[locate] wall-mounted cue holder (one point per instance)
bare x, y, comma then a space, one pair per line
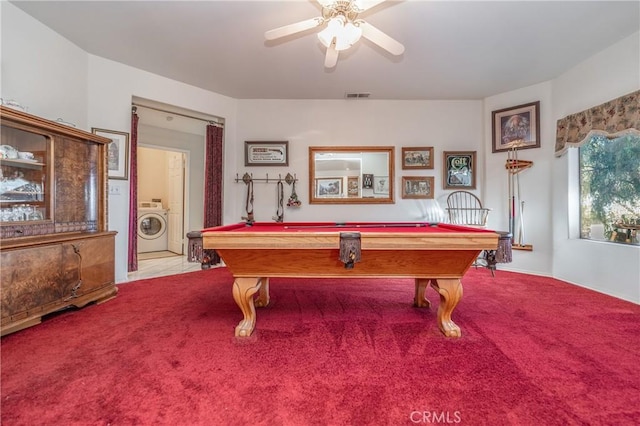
248, 178
289, 179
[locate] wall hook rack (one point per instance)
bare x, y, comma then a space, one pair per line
248, 178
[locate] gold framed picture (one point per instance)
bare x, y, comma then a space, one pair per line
417, 158
417, 187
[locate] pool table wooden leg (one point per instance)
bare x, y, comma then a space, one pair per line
263, 299
419, 300
243, 291
450, 291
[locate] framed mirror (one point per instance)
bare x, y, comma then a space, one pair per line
351, 175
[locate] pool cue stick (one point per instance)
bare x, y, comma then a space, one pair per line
249, 202
510, 198
516, 197
521, 232
279, 217
520, 206
509, 189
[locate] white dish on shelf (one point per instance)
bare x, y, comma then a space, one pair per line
66, 123
13, 104
24, 155
9, 152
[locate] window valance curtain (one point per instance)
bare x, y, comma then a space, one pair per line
614, 118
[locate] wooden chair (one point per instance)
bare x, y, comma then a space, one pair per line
464, 208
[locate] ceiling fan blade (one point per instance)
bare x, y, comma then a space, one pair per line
293, 28
381, 39
326, 3
331, 59
367, 4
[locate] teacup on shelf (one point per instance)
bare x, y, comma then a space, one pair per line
23, 155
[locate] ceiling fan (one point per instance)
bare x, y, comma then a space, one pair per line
342, 29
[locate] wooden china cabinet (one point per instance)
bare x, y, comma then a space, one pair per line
55, 249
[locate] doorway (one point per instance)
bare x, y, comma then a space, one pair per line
161, 187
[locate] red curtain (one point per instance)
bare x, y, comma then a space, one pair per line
213, 184
132, 256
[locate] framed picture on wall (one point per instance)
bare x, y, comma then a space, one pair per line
381, 184
266, 153
417, 158
516, 127
117, 152
367, 181
353, 186
417, 187
329, 187
459, 171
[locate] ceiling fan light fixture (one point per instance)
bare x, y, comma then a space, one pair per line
342, 28
344, 32
350, 35
327, 35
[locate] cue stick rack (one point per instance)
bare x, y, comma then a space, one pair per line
248, 178
289, 179
514, 166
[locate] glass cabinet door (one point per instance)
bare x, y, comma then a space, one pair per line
24, 180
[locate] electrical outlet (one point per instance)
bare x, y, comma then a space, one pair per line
114, 190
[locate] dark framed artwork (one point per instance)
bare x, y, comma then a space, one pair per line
417, 187
417, 158
459, 171
117, 152
266, 153
516, 127
367, 181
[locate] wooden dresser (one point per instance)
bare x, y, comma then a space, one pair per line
55, 248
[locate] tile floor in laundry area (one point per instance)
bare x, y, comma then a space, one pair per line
160, 264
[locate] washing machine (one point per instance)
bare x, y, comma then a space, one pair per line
152, 227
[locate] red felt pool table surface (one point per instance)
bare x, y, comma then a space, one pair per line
432, 253
345, 227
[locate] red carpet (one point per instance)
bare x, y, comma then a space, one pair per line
533, 351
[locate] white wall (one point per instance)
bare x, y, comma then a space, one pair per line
535, 182
445, 125
152, 172
609, 268
41, 69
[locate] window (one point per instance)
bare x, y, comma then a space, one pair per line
610, 189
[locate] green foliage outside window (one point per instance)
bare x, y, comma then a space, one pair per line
610, 187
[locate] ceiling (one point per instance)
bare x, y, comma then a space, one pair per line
453, 49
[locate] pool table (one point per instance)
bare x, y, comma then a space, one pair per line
433, 254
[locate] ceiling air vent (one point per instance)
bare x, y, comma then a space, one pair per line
356, 95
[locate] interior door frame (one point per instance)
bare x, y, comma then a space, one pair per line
185, 185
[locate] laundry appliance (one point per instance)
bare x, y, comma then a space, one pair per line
152, 227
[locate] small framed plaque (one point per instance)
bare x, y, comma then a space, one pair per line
266, 153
